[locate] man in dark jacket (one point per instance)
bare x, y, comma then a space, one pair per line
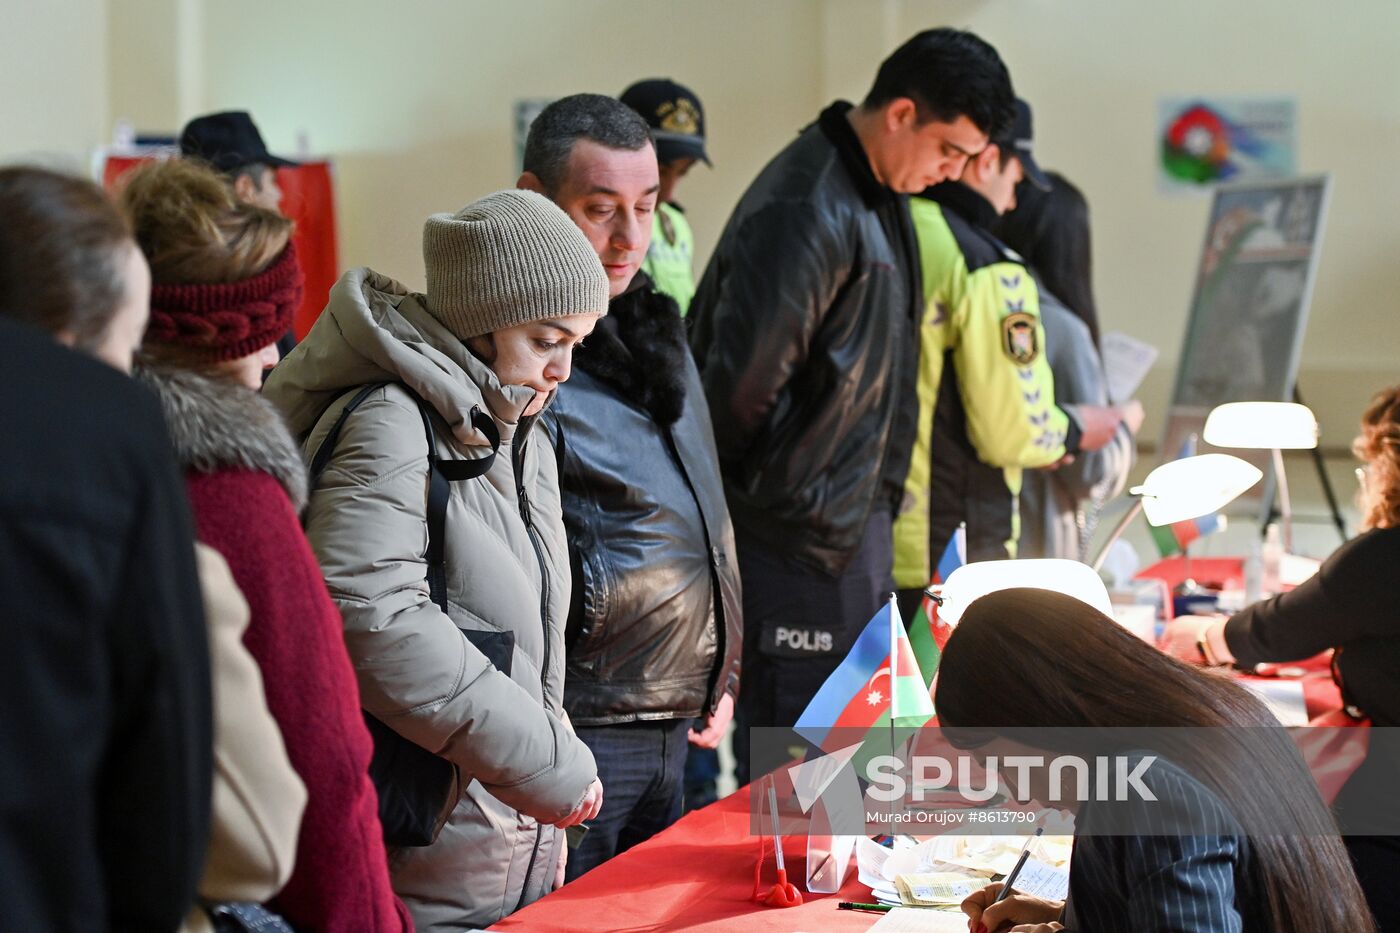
805, 326
105, 757
987, 396
654, 632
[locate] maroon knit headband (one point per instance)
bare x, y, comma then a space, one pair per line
232, 320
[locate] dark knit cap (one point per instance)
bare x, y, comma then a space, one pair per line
228, 321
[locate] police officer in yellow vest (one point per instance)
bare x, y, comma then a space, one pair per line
677, 124
985, 393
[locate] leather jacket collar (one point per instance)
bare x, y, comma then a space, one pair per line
837, 129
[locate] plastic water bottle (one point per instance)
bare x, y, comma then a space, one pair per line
1272, 557
1253, 575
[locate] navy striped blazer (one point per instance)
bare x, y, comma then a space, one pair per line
1136, 868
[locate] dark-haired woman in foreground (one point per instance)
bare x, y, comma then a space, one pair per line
1028, 665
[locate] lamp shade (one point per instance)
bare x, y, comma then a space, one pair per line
1262, 425
1188, 488
971, 581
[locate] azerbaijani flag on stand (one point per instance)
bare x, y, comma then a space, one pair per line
866, 692
1174, 538
928, 635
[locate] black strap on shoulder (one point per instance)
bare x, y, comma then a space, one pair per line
440, 473
323, 453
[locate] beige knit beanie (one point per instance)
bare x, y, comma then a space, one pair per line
510, 258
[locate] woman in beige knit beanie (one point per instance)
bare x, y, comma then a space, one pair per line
460, 653
512, 276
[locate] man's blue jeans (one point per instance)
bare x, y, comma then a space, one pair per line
642, 766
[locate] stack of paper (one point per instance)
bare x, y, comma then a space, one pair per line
946, 869
936, 889
915, 920
886, 893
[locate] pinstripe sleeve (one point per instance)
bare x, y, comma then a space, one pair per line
1152, 875
1182, 884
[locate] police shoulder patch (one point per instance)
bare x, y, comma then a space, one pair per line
1018, 338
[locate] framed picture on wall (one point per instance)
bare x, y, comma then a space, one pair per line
1253, 288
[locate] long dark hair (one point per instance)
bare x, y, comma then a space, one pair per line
1025, 659
1050, 229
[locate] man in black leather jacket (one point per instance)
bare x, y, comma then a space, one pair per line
654, 633
805, 327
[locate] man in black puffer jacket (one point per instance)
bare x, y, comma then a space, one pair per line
654, 633
806, 328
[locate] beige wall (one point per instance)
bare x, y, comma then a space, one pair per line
1094, 69
416, 105
53, 103
413, 101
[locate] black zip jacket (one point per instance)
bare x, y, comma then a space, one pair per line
655, 624
805, 327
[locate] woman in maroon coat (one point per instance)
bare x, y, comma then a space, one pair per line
226, 282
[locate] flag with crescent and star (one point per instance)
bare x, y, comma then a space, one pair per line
867, 691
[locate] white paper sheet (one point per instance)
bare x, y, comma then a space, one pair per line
1126, 361
921, 920
1042, 880
1284, 698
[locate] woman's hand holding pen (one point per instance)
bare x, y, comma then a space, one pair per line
987, 915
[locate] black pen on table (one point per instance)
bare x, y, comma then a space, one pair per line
851, 905
1005, 891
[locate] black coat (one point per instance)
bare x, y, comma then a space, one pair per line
650, 539
805, 328
105, 736
1350, 605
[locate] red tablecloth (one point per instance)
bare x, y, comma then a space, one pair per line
697, 875
1320, 693
1210, 572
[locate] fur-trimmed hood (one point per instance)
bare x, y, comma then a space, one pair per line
639, 349
215, 424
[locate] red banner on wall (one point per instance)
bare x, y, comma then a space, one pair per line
309, 200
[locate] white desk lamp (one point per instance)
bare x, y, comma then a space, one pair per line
972, 581
1180, 490
1273, 426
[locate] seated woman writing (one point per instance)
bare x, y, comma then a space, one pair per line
1349, 605
1233, 835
